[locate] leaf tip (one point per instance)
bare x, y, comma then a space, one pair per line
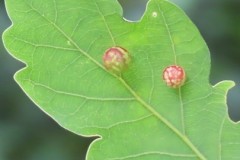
225, 85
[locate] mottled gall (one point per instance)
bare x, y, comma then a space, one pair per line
116, 59
174, 76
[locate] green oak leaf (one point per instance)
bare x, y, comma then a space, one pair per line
136, 115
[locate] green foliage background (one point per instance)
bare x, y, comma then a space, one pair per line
26, 133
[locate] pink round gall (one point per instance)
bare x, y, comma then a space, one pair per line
174, 76
116, 59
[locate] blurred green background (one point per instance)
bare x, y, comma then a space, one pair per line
26, 133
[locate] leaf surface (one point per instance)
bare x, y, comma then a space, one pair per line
136, 115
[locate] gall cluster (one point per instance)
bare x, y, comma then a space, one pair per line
117, 59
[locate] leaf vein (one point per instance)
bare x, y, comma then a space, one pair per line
80, 95
175, 60
105, 22
154, 153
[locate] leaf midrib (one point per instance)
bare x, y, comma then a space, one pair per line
138, 98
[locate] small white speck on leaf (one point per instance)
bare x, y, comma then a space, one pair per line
154, 14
